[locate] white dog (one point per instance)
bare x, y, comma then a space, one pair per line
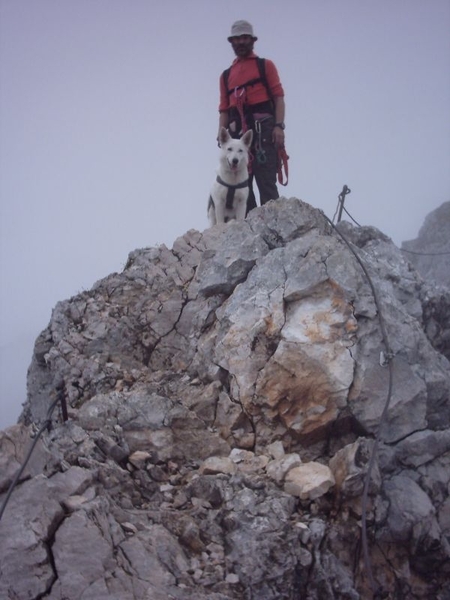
228, 199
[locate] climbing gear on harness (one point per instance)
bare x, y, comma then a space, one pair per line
261, 63
240, 103
242, 109
260, 152
231, 190
282, 163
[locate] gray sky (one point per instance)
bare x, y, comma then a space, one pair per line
109, 117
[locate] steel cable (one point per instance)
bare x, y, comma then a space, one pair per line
14, 482
367, 562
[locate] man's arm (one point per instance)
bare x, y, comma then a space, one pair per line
223, 121
278, 133
280, 109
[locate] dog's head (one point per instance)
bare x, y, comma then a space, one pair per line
235, 152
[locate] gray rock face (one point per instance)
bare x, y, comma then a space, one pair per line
430, 255
430, 251
223, 399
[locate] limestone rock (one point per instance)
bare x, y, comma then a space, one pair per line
309, 481
217, 464
279, 467
350, 466
207, 387
276, 450
139, 458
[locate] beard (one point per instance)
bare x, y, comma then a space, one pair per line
243, 49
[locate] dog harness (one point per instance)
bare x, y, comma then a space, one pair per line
231, 190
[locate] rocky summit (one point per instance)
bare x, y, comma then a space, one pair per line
259, 413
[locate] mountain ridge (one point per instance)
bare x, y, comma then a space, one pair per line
224, 398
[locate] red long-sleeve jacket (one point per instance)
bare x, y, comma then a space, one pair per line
244, 70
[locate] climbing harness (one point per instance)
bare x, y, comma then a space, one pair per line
261, 63
231, 190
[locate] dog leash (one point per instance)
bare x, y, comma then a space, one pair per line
282, 156
282, 163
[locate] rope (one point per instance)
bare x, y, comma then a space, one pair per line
388, 354
14, 482
354, 220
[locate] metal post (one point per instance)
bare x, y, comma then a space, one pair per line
345, 190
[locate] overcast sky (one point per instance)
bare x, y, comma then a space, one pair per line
109, 117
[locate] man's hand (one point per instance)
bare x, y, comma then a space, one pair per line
278, 137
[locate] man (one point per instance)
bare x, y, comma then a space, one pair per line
252, 97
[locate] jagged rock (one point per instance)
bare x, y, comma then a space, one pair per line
423, 447
350, 465
309, 481
277, 469
33, 518
276, 450
139, 459
203, 380
430, 255
436, 317
14, 444
247, 461
217, 464
412, 518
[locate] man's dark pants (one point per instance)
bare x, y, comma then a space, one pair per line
265, 157
264, 165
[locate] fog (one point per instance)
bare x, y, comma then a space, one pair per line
108, 116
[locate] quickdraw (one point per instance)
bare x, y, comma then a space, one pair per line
260, 152
282, 163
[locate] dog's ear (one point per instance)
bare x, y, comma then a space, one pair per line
224, 136
247, 138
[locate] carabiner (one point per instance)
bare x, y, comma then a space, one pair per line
261, 156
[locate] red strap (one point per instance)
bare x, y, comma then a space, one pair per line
240, 101
282, 163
